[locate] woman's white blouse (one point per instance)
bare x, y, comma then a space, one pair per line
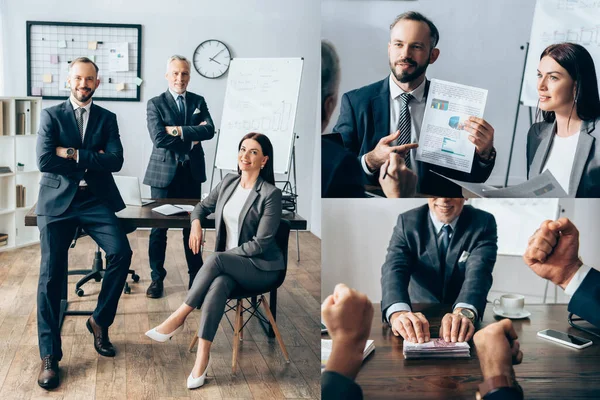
561, 159
231, 215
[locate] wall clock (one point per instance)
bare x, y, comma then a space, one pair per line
212, 58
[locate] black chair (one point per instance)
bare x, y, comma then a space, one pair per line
97, 271
236, 298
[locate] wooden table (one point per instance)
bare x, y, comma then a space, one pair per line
133, 217
548, 370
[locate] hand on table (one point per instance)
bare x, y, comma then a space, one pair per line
413, 327
498, 349
456, 328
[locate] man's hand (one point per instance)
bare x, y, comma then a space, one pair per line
498, 349
376, 157
456, 328
347, 314
62, 152
481, 135
413, 327
552, 252
399, 181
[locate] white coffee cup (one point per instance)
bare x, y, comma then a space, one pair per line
510, 303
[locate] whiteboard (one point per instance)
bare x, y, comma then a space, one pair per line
557, 21
517, 220
261, 96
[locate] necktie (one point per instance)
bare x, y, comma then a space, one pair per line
444, 242
404, 124
79, 114
181, 107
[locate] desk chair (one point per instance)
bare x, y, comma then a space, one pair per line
97, 271
236, 298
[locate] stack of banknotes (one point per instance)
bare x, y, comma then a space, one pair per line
436, 348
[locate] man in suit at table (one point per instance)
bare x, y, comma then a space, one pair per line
397, 104
443, 252
553, 254
78, 147
178, 122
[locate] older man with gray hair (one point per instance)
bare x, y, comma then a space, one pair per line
178, 122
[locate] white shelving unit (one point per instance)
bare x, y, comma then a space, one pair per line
18, 136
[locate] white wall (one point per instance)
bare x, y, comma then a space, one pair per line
251, 28
355, 241
479, 43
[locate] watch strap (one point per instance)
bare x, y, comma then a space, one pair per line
494, 383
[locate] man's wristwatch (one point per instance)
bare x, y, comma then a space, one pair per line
174, 132
70, 152
495, 383
465, 312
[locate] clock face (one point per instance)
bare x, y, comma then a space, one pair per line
212, 58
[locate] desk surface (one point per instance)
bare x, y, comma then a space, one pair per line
548, 370
144, 217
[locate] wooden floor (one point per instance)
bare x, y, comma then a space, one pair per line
144, 369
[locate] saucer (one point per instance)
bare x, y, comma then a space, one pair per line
518, 315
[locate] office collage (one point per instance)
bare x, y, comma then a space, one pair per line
162, 235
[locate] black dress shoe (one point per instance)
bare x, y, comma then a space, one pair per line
102, 343
48, 377
155, 290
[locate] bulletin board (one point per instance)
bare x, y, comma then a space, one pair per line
115, 48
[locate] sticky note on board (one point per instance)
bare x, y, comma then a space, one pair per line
92, 45
47, 78
120, 87
36, 91
53, 59
138, 81
62, 44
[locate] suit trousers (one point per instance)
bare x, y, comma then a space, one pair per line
221, 273
183, 186
56, 233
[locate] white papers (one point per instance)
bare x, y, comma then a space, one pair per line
63, 77
443, 140
173, 209
118, 57
327, 345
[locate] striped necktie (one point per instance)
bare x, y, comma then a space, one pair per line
404, 124
181, 107
79, 114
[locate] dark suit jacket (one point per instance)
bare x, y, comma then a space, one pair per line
60, 178
341, 174
585, 175
586, 299
411, 271
336, 386
365, 118
163, 111
259, 221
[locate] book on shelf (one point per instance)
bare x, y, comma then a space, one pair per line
20, 124
3, 236
5, 170
21, 196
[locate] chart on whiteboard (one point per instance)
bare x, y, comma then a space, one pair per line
261, 96
557, 21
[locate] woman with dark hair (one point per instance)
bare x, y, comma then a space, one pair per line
565, 141
247, 208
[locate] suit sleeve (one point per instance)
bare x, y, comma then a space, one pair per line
346, 126
207, 206
192, 133
504, 393
112, 159
336, 386
47, 142
158, 134
267, 228
396, 270
586, 300
479, 267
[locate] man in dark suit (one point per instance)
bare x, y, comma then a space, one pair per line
178, 121
397, 104
78, 148
552, 253
443, 252
341, 176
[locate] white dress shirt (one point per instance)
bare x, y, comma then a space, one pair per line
86, 118
577, 279
438, 225
561, 159
231, 215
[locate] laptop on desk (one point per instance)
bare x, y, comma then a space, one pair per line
129, 187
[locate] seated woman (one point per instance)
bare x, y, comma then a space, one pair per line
564, 142
247, 209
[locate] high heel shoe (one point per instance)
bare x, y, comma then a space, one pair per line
161, 337
193, 383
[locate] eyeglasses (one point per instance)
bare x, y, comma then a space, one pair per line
574, 325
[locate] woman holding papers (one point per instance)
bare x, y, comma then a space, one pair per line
565, 141
247, 208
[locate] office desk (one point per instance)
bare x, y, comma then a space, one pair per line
548, 370
143, 217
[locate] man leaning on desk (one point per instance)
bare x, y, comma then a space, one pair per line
78, 148
178, 122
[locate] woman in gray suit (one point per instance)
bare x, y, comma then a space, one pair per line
565, 141
247, 209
